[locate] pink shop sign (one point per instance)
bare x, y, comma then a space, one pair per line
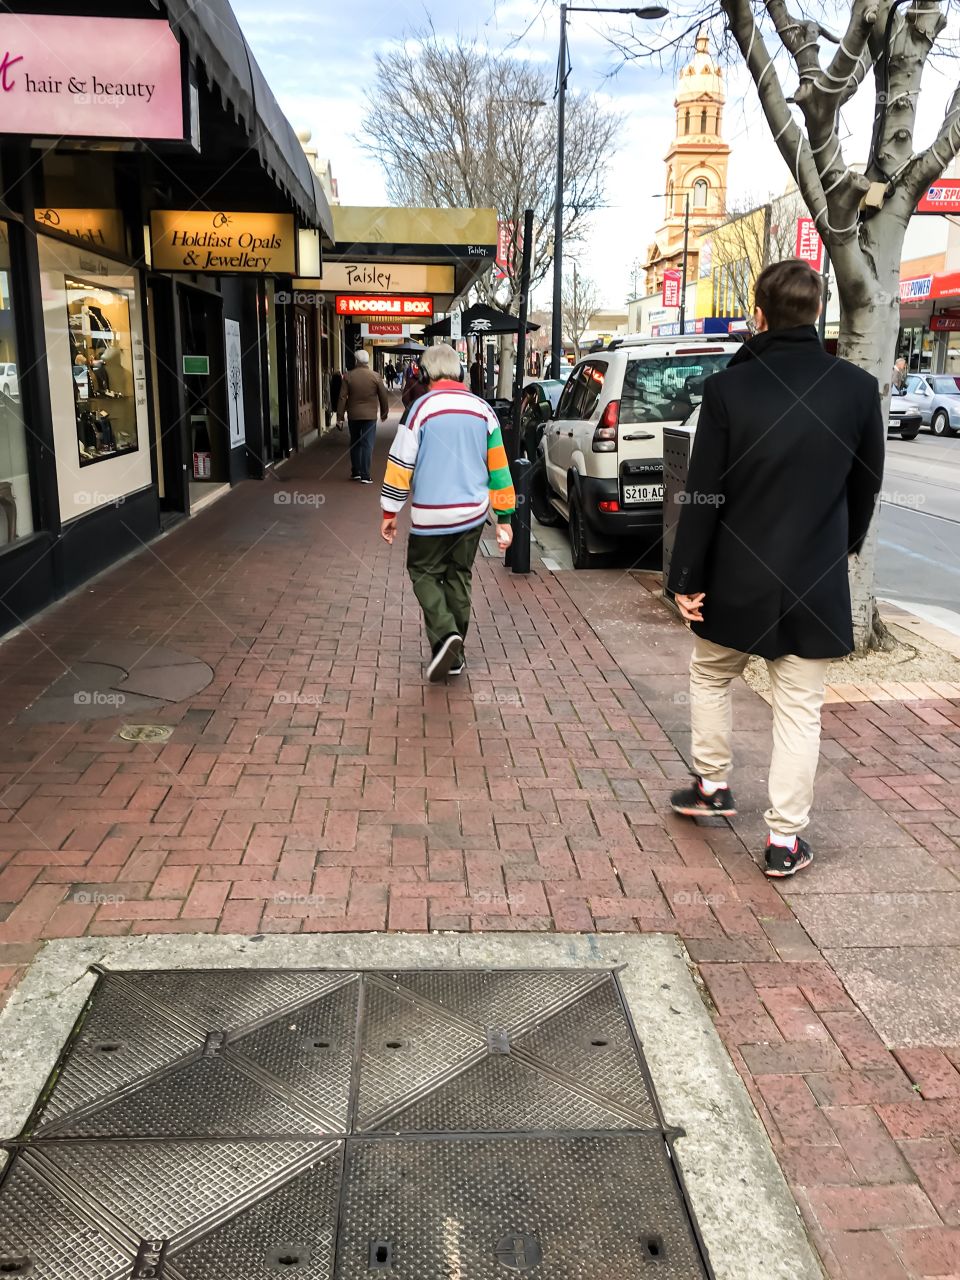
89, 77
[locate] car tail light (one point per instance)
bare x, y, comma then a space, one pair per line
608, 504
605, 436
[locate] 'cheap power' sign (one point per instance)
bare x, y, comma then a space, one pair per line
398, 307
942, 197
809, 244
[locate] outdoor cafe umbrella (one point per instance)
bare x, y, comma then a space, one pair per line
405, 348
478, 321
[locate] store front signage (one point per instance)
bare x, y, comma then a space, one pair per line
942, 197
370, 277
196, 365
384, 329
944, 324
99, 228
89, 77
400, 308
916, 290
809, 245
223, 243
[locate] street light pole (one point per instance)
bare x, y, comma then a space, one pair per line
556, 331
683, 265
556, 325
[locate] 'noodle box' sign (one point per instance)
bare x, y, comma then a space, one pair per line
88, 77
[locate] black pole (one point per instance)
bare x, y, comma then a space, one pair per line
520, 371
826, 294
683, 265
556, 329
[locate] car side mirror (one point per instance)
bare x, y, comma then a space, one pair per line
544, 407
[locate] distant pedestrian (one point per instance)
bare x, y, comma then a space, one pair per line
416, 386
336, 382
389, 375
900, 373
476, 377
448, 456
782, 485
361, 393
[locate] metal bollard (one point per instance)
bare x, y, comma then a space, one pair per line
520, 557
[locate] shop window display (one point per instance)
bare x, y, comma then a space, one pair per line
16, 514
98, 321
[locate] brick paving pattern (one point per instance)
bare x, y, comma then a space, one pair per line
319, 784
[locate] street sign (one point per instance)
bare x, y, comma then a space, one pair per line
809, 244
942, 197
671, 287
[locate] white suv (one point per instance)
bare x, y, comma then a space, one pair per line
600, 460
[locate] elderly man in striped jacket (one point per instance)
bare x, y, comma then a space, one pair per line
448, 456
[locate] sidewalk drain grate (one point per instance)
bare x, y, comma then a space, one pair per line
333, 1125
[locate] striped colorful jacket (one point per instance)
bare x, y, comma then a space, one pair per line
449, 457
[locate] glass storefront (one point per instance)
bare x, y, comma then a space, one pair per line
16, 507
98, 322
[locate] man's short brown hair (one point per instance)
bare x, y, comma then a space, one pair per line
789, 293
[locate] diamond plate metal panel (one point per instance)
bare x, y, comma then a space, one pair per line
591, 1042
165, 1190
310, 1051
230, 999
505, 998
594, 1208
206, 1097
405, 1049
119, 1041
502, 1093
291, 1231
43, 1237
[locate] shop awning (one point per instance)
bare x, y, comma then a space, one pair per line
214, 37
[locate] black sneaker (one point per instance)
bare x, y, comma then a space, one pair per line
457, 670
693, 802
448, 653
365, 480
781, 862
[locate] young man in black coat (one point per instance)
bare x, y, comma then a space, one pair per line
783, 480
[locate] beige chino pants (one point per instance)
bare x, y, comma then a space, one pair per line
797, 688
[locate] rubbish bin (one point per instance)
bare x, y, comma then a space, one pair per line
504, 411
677, 447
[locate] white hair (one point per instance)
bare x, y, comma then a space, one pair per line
362, 357
440, 362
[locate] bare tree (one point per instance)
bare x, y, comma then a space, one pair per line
579, 300
754, 234
457, 125
861, 212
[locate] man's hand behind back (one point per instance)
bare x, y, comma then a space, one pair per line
691, 607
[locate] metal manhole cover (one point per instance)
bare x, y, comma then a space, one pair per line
208, 1125
146, 732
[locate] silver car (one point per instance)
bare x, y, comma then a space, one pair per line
937, 397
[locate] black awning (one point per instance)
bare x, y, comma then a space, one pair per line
479, 319
214, 37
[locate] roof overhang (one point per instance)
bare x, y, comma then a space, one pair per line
462, 240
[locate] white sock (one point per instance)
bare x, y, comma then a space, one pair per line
785, 842
708, 788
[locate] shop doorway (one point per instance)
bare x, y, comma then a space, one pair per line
306, 368
170, 463
206, 414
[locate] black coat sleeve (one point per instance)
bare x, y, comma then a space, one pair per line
703, 498
866, 475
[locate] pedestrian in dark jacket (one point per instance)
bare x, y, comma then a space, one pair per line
783, 480
361, 393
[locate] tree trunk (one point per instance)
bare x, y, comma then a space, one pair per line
505, 381
868, 338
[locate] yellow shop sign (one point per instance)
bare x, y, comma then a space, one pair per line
223, 243
99, 228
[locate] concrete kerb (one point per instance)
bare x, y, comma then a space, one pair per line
745, 1211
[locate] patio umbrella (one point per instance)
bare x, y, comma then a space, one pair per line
479, 320
405, 348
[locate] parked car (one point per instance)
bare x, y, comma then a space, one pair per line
937, 397
903, 420
599, 464
9, 383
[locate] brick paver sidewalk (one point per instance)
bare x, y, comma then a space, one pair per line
318, 784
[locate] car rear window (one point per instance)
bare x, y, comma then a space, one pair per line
667, 388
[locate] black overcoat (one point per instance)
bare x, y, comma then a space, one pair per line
783, 481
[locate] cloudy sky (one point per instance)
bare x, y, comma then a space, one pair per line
319, 59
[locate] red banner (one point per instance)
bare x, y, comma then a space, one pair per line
382, 304
508, 246
942, 324
809, 244
672, 278
942, 196
385, 329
